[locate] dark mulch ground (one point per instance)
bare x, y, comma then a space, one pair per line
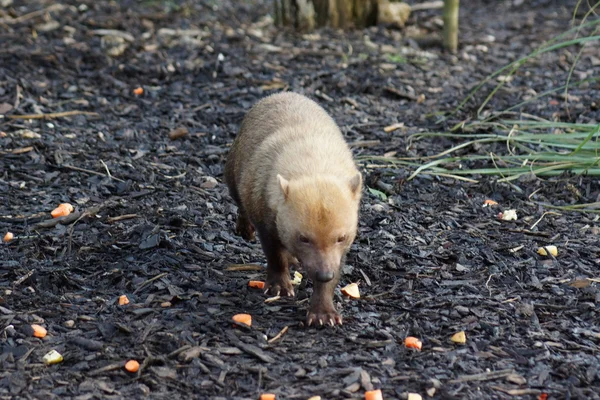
431, 260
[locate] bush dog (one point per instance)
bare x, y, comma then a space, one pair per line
293, 178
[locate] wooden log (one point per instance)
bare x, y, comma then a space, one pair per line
305, 15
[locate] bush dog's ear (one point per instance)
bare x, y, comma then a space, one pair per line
284, 184
355, 183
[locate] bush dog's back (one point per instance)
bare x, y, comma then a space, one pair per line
292, 175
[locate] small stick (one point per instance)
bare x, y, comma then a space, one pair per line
122, 217
517, 392
244, 267
23, 278
485, 376
53, 115
542, 217
17, 98
54, 7
68, 219
279, 335
106, 168
88, 171
106, 368
143, 284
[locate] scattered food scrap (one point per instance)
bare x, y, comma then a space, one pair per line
297, 278
245, 319
413, 343
459, 337
8, 237
508, 215
256, 284
62, 210
52, 357
351, 290
374, 395
123, 300
132, 366
544, 251
39, 331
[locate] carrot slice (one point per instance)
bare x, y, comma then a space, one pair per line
68, 206
123, 300
267, 396
138, 91
62, 210
132, 366
490, 202
351, 290
413, 343
245, 319
39, 331
374, 395
8, 237
256, 284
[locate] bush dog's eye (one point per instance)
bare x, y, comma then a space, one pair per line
304, 239
341, 239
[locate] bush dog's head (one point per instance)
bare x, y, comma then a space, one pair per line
317, 219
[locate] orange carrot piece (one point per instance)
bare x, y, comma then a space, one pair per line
245, 319
8, 237
39, 331
123, 300
132, 366
256, 284
138, 91
374, 395
62, 210
489, 202
413, 343
267, 396
68, 206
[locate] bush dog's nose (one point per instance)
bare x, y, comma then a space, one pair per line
324, 276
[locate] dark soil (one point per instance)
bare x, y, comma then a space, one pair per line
154, 221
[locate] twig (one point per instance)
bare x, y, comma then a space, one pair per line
542, 217
279, 335
428, 5
23, 278
484, 376
72, 228
54, 7
364, 143
121, 217
517, 392
53, 115
145, 283
244, 267
106, 168
68, 219
526, 232
106, 368
89, 171
114, 32
487, 284
17, 98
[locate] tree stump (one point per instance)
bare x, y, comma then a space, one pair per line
306, 15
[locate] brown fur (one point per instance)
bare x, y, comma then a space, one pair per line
292, 175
